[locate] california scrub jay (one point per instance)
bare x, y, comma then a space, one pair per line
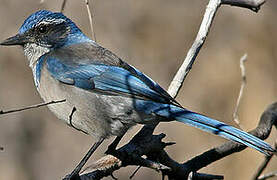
106, 94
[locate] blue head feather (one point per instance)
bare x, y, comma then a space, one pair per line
33, 19
75, 35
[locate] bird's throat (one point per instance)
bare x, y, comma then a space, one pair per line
33, 52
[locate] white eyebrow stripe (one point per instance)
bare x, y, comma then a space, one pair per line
51, 21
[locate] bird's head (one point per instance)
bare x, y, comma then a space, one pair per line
47, 29
44, 31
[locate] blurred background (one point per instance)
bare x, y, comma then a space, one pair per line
154, 36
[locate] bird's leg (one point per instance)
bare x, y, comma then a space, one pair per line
114, 144
75, 173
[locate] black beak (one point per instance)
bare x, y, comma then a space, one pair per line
19, 39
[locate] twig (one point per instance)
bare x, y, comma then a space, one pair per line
193, 175
267, 176
31, 107
262, 167
264, 164
243, 83
133, 174
63, 6
183, 71
90, 20
253, 5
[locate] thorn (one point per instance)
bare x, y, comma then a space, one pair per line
169, 143
133, 174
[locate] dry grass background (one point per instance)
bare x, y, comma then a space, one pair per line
154, 36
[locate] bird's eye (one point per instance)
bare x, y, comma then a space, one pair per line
42, 29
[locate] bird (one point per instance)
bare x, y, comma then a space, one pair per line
104, 95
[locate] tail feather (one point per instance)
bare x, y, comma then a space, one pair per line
213, 126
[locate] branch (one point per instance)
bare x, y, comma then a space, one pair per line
262, 167
243, 83
143, 143
183, 71
31, 107
193, 176
267, 176
90, 20
264, 164
63, 6
253, 5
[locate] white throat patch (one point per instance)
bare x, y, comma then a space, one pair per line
33, 52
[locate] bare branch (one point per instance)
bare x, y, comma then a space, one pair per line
90, 16
31, 107
206, 23
262, 167
193, 175
254, 5
134, 173
63, 6
264, 164
267, 176
243, 83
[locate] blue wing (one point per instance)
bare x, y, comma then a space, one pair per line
108, 78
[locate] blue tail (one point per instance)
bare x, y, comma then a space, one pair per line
208, 124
